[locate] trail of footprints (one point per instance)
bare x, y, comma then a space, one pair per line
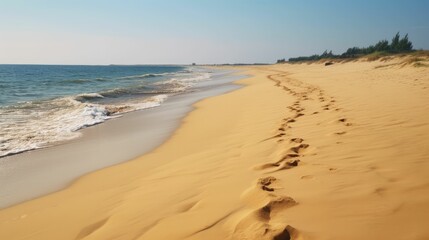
297, 146
305, 92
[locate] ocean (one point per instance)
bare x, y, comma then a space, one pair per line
41, 105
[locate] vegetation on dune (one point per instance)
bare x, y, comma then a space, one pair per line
382, 48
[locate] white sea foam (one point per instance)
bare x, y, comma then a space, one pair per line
184, 82
29, 129
84, 96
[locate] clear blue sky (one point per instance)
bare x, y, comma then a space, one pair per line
185, 31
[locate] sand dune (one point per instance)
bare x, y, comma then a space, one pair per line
301, 152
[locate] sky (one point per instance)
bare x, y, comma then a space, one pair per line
201, 31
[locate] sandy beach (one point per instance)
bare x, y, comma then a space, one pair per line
301, 151
36, 173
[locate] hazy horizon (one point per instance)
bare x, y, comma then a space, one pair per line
204, 32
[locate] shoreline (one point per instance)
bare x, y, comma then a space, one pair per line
300, 152
98, 146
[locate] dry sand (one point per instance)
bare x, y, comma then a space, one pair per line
302, 152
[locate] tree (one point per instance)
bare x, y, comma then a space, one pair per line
395, 42
382, 46
404, 44
396, 46
324, 54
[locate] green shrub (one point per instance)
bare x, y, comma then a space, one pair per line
397, 45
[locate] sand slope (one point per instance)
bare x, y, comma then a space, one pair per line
302, 152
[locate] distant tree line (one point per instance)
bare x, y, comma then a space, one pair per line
397, 45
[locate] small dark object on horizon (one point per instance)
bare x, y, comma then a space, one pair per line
328, 63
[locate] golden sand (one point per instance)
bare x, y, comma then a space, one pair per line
301, 152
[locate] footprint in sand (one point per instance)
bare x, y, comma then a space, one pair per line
289, 120
261, 223
341, 133
276, 204
299, 115
296, 109
297, 140
280, 165
299, 148
326, 106
279, 135
307, 177
380, 191
292, 163
265, 182
344, 121
288, 161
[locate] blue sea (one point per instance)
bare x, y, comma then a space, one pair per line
43, 104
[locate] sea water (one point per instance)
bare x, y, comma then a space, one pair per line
41, 105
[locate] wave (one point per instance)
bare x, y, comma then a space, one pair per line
150, 102
37, 124
148, 75
152, 75
87, 96
158, 88
84, 80
59, 120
